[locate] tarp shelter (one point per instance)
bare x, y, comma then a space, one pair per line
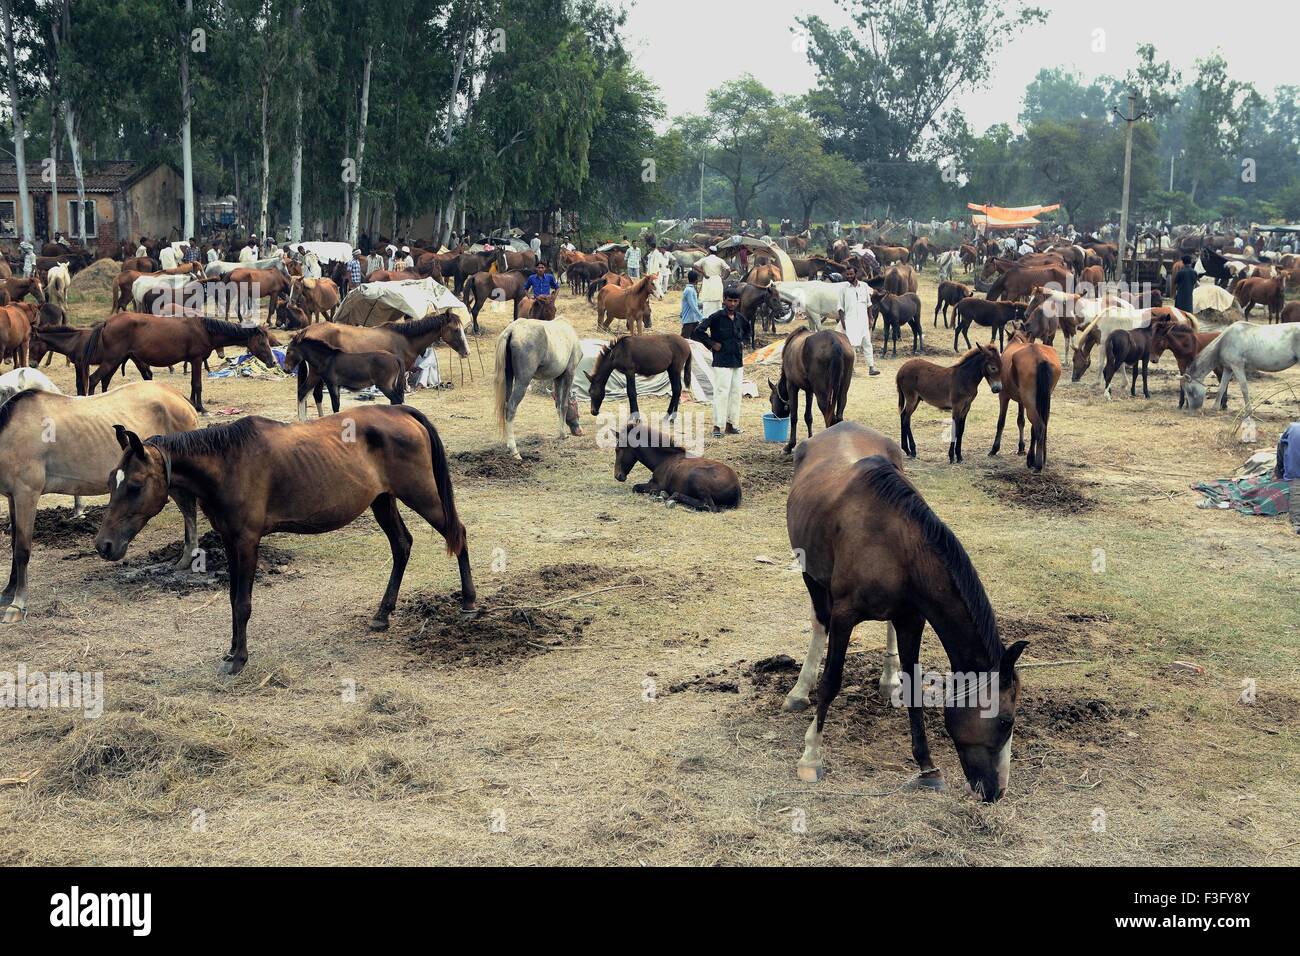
375, 303
616, 387
513, 245
326, 251
1008, 217
781, 256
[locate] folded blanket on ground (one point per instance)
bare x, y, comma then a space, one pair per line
1260, 495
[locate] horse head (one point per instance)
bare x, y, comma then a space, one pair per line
137, 491
452, 333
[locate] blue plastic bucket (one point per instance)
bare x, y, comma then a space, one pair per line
775, 428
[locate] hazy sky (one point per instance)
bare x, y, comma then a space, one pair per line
690, 46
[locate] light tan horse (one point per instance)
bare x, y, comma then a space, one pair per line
631, 304
57, 444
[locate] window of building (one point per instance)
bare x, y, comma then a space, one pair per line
8, 218
92, 225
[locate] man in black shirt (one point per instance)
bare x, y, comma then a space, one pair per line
723, 333
1185, 284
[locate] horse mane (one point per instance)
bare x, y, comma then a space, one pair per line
213, 440
430, 323
7, 409
221, 327
888, 483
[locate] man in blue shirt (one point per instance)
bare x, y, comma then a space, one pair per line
355, 276
691, 314
541, 282
1288, 468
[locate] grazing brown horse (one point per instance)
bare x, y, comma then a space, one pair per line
165, 340
821, 364
53, 444
699, 483
1029, 375
320, 366
1184, 342
634, 355
256, 476
872, 550
406, 340
950, 293
950, 389
631, 304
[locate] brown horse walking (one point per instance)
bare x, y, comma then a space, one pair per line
634, 355
164, 340
700, 483
320, 365
820, 363
872, 550
950, 389
73, 342
256, 476
1029, 375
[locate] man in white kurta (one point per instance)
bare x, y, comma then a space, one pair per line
167, 257
659, 263
855, 299
713, 266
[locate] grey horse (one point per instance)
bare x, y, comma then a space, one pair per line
528, 349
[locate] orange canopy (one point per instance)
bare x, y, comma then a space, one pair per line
1008, 217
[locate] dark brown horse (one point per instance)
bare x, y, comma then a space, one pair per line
648, 354
950, 293
950, 389
993, 315
164, 340
256, 476
1029, 375
497, 286
320, 366
872, 550
73, 342
696, 482
897, 311
1184, 342
821, 364
406, 340
1128, 347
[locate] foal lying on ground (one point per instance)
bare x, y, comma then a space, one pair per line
698, 482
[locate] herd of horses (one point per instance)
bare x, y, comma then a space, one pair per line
870, 546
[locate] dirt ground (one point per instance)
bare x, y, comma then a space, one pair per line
619, 701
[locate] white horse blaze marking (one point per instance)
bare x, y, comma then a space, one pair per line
120, 476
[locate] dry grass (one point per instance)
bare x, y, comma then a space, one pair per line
340, 746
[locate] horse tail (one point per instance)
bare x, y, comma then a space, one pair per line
835, 372
92, 343
592, 287
504, 378
455, 531
1043, 389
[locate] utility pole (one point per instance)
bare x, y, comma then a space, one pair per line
701, 185
1132, 117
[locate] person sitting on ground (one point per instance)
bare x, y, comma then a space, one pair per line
541, 282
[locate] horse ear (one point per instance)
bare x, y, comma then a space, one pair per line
1007, 666
127, 438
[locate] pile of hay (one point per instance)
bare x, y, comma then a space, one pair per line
97, 278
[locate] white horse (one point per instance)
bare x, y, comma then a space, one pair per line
948, 262
528, 349
1243, 347
820, 300
30, 380
57, 281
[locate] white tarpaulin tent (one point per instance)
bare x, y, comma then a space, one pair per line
616, 387
375, 303
326, 251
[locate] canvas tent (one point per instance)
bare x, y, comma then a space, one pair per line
375, 303
326, 251
1008, 217
616, 387
771, 248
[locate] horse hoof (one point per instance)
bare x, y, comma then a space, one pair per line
810, 772
230, 667
13, 615
792, 704
932, 780
379, 624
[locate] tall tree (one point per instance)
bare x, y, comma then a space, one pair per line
16, 114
